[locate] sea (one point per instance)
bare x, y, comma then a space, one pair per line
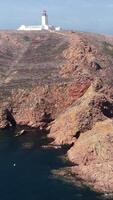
26, 169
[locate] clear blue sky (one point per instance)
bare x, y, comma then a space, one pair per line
84, 15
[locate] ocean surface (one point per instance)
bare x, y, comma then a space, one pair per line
26, 170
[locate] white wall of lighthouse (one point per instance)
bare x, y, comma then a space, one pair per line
44, 19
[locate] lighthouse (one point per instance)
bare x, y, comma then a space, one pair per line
44, 19
44, 25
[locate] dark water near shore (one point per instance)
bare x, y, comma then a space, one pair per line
26, 171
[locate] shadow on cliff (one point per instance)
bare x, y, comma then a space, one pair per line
10, 118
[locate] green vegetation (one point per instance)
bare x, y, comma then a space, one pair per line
26, 38
108, 48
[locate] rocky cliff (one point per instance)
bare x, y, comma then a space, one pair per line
66, 77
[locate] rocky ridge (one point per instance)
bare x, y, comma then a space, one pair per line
67, 77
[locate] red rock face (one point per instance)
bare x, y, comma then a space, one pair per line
29, 108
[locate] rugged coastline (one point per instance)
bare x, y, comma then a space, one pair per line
62, 83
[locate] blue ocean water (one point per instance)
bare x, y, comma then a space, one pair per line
26, 171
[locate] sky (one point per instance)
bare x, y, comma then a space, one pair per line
81, 15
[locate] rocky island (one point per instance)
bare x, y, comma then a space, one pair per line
67, 77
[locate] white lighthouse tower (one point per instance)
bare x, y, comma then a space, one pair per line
44, 20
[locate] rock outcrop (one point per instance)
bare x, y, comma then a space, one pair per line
81, 116
3, 119
92, 155
6, 117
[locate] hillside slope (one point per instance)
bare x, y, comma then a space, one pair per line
67, 78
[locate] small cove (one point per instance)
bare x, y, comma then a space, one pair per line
26, 170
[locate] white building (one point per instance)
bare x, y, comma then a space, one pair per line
44, 25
